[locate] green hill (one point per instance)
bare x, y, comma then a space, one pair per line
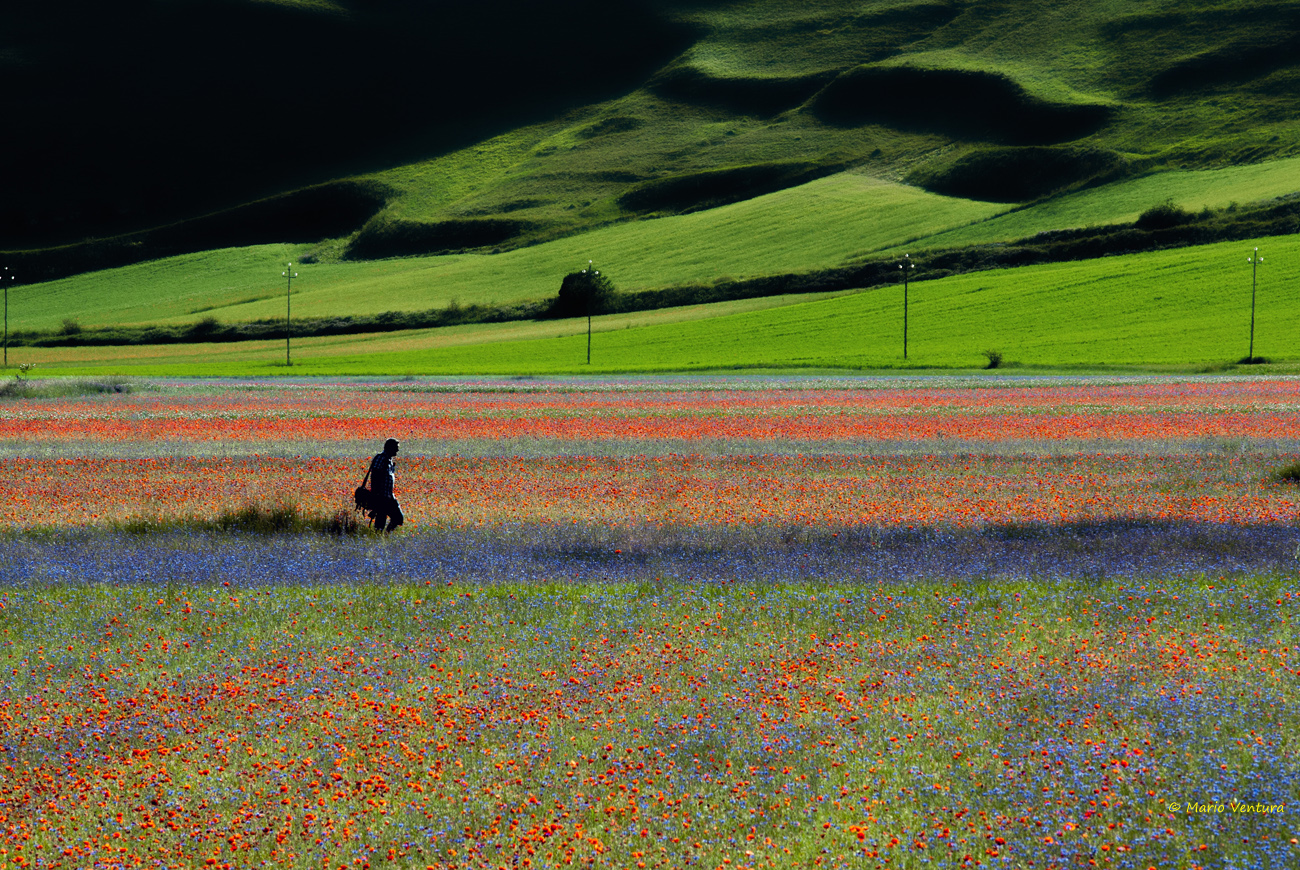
824, 221
843, 218
402, 166
133, 114
704, 103
1186, 309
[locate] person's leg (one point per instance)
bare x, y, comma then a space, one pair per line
395, 515
379, 514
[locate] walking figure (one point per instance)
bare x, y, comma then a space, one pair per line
383, 506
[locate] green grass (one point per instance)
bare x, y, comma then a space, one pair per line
1124, 201
22, 387
284, 518
563, 175
718, 106
1187, 307
1288, 474
1087, 52
823, 223
815, 225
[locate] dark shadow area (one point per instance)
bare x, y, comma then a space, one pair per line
1241, 61
610, 127
1019, 174
964, 104
875, 34
765, 553
128, 115
701, 190
325, 211
1216, 45
760, 97
385, 237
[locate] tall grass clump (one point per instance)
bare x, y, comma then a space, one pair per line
1287, 474
253, 519
60, 388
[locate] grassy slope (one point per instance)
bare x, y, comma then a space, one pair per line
1090, 51
821, 223
565, 175
742, 94
1188, 306
1124, 201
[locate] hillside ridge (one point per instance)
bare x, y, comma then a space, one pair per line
695, 105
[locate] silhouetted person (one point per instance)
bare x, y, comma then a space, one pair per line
383, 507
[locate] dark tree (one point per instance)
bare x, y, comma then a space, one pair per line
1163, 217
583, 293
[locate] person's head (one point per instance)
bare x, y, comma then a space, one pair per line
390, 446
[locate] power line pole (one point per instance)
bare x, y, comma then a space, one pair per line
592, 275
288, 275
6, 283
1254, 259
906, 266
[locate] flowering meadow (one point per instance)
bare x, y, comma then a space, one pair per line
908, 622
882, 454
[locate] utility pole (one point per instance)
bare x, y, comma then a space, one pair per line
591, 291
906, 266
6, 283
289, 274
1254, 259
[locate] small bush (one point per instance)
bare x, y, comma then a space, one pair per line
205, 327
70, 326
994, 358
1288, 474
1163, 217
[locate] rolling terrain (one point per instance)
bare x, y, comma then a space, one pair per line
731, 141
1184, 310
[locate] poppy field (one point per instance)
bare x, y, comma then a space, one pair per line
996, 622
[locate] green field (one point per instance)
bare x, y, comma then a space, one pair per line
1124, 201
1202, 85
1179, 308
823, 223
776, 138
743, 87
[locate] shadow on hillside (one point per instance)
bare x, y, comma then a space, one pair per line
134, 114
964, 104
